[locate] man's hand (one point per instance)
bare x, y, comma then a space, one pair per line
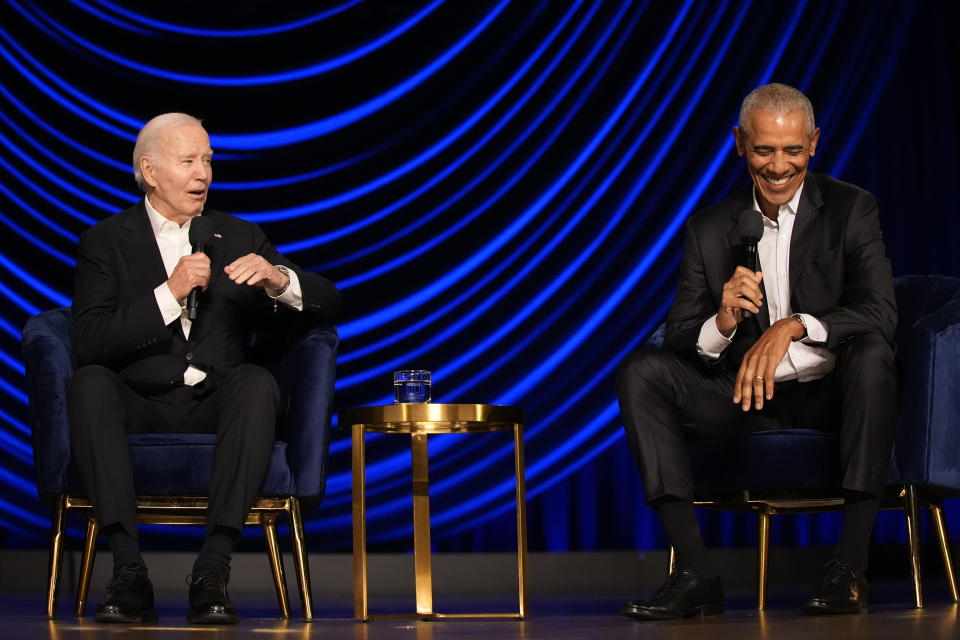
256, 272
755, 377
741, 291
191, 271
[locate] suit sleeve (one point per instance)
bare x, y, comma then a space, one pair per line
868, 304
105, 327
693, 303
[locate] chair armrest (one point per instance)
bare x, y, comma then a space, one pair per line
49, 364
307, 376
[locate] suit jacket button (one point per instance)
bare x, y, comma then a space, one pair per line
189, 357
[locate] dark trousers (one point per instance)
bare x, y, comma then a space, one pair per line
239, 406
666, 401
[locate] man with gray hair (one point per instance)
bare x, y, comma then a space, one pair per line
151, 363
814, 351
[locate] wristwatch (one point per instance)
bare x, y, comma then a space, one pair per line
282, 269
799, 318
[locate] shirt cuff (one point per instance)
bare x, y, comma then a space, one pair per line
817, 331
293, 295
170, 309
711, 344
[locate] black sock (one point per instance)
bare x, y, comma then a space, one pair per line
859, 514
216, 550
683, 531
125, 547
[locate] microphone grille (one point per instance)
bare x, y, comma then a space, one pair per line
750, 225
201, 230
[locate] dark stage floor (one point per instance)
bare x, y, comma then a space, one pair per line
561, 618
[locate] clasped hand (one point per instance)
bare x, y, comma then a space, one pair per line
755, 378
194, 271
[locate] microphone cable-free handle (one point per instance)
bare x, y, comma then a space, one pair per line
201, 230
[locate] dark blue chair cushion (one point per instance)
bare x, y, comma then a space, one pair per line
776, 459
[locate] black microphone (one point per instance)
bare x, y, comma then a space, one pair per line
749, 229
201, 230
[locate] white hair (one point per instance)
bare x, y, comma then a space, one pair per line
150, 133
778, 99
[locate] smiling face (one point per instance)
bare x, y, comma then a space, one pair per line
778, 148
178, 172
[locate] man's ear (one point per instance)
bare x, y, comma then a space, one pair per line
813, 141
147, 171
739, 142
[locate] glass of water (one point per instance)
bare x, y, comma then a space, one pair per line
411, 385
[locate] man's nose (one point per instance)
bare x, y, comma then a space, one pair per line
779, 164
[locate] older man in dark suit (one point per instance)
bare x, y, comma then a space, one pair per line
817, 347
148, 366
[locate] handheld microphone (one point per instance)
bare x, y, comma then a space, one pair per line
749, 229
201, 230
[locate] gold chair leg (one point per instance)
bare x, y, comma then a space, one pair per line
763, 557
912, 509
940, 523
58, 533
300, 558
86, 565
269, 523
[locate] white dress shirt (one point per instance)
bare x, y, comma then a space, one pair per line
174, 243
806, 359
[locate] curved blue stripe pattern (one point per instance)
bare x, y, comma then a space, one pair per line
499, 188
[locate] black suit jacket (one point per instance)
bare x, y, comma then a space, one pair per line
116, 321
839, 272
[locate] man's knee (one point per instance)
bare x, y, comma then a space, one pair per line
91, 395
868, 359
641, 368
251, 384
250, 377
92, 386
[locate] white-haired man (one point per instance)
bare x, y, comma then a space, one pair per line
146, 366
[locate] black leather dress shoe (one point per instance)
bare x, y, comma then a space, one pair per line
129, 597
842, 589
684, 594
209, 600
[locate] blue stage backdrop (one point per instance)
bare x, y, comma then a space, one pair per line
498, 188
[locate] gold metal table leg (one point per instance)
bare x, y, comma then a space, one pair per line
421, 524
359, 524
521, 516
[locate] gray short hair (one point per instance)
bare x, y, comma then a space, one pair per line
147, 138
778, 99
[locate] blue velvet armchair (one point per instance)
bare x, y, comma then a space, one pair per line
172, 471
792, 471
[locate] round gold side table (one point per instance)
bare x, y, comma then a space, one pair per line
420, 421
